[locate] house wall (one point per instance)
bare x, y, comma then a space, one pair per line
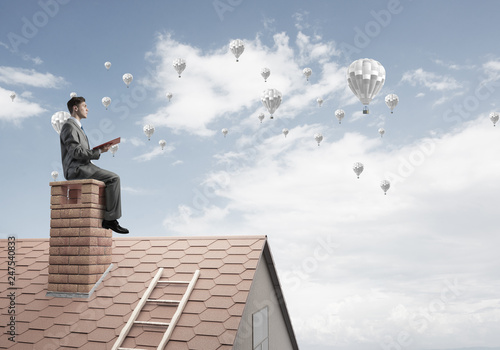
262, 294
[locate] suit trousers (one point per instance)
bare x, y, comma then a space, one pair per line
113, 193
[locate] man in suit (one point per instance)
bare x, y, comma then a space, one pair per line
76, 157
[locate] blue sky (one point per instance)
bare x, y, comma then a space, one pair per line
415, 269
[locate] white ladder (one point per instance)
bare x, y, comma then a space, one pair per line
145, 298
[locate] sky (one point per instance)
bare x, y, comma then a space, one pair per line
417, 268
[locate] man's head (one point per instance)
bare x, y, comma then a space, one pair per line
77, 107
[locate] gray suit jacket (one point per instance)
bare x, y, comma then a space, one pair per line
76, 153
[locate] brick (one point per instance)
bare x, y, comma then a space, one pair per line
90, 198
69, 288
69, 269
53, 269
53, 251
68, 250
70, 214
83, 260
59, 223
69, 232
54, 200
91, 269
105, 241
54, 232
58, 278
83, 241
83, 279
90, 189
104, 259
58, 241
52, 287
93, 231
58, 260
55, 214
84, 288
92, 213
80, 222
58, 191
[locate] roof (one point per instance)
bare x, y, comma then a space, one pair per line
210, 319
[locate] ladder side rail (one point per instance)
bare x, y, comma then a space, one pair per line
126, 329
178, 312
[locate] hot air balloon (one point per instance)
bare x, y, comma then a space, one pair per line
113, 149
148, 130
169, 95
391, 101
307, 72
58, 119
261, 117
107, 65
12, 96
179, 65
237, 47
73, 94
494, 117
320, 101
318, 137
162, 143
265, 72
127, 78
54, 175
285, 132
271, 99
365, 78
224, 132
106, 101
381, 131
358, 168
385, 185
339, 113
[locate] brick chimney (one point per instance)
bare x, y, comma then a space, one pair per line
80, 249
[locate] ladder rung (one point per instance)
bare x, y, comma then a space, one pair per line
165, 301
153, 323
164, 281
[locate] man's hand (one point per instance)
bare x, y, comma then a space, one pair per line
105, 148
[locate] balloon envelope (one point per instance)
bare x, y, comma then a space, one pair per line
266, 72
339, 114
113, 149
73, 94
107, 65
494, 117
358, 168
307, 72
162, 143
169, 95
385, 185
320, 101
271, 99
237, 47
127, 78
179, 65
12, 96
54, 175
148, 130
58, 119
318, 137
224, 132
365, 78
391, 101
285, 131
106, 101
261, 117
381, 131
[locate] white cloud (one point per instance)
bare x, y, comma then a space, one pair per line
432, 81
155, 152
19, 109
30, 77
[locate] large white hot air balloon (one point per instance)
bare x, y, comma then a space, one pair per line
169, 95
179, 65
358, 168
318, 137
148, 130
237, 47
107, 65
285, 132
391, 101
365, 78
12, 96
307, 72
271, 99
494, 117
385, 185
224, 132
106, 101
127, 78
339, 114
265, 72
58, 119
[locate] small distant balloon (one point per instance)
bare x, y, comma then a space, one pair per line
107, 65
385, 185
127, 78
54, 175
106, 101
307, 72
265, 72
318, 137
179, 65
391, 101
162, 143
73, 94
339, 114
224, 132
358, 168
271, 99
381, 131
58, 119
169, 95
320, 101
12, 96
237, 47
113, 149
148, 130
494, 117
261, 117
285, 132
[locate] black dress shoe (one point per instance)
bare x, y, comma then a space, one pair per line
114, 225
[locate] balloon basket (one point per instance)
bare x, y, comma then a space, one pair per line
366, 110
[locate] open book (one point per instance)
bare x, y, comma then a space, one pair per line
112, 142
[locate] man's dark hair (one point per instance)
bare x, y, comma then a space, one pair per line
75, 101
